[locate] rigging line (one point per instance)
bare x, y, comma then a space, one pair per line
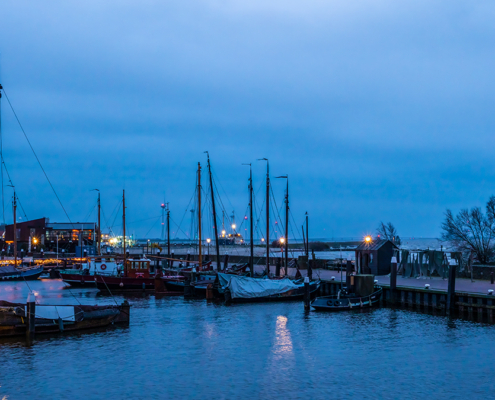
39, 162
152, 226
220, 183
91, 212
178, 227
10, 181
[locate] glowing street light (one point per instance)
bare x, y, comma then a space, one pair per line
262, 239
367, 239
233, 226
282, 240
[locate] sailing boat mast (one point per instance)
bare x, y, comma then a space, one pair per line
286, 241
168, 232
287, 229
217, 244
307, 237
251, 230
267, 215
15, 229
251, 234
123, 224
200, 260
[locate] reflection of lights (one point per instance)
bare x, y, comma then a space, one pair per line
283, 338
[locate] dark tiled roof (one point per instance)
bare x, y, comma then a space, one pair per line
374, 245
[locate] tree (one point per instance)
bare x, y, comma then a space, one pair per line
472, 231
388, 232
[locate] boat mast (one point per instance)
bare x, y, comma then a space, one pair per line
287, 229
251, 230
15, 230
168, 233
306, 245
99, 225
200, 260
251, 233
123, 224
217, 245
267, 215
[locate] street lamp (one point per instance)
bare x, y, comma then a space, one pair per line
147, 247
208, 241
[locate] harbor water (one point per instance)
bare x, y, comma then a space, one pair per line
176, 348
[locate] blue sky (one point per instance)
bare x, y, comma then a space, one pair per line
377, 110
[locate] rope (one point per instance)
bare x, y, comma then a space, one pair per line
37, 159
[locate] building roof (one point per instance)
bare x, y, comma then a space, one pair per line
374, 245
70, 226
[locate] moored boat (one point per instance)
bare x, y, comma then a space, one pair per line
347, 301
15, 318
24, 271
85, 275
360, 293
242, 289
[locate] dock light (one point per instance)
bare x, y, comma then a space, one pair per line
233, 226
208, 240
262, 239
223, 232
427, 286
282, 240
35, 240
367, 239
490, 292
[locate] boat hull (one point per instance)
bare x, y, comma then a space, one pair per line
335, 303
29, 275
13, 320
124, 284
291, 295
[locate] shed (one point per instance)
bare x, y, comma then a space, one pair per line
375, 257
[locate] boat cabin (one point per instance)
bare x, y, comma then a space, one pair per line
102, 266
138, 268
375, 257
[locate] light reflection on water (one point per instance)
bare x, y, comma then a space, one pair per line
176, 348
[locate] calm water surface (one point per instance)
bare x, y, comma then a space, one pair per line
175, 348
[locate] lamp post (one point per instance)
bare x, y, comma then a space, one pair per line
208, 241
147, 247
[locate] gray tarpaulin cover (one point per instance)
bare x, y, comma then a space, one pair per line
248, 288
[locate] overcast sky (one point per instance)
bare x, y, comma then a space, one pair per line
377, 110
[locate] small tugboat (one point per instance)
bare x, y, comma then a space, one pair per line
83, 276
361, 293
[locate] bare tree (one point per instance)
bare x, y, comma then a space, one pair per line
388, 232
472, 231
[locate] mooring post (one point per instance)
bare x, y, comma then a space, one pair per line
348, 272
450, 303
278, 266
393, 280
306, 294
31, 315
188, 257
226, 261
